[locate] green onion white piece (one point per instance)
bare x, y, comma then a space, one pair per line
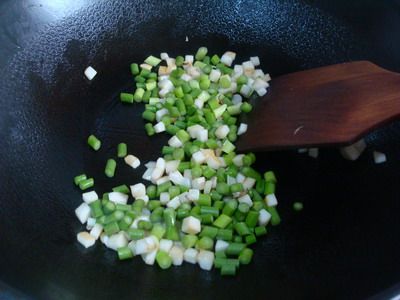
132, 161
379, 157
313, 152
85, 239
90, 73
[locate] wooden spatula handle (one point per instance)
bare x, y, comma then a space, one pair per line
333, 105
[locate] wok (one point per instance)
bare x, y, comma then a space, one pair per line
345, 244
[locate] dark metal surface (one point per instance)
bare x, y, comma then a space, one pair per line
343, 245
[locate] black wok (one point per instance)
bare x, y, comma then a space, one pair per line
345, 244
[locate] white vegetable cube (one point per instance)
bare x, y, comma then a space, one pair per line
205, 259
189, 59
164, 197
138, 219
228, 57
221, 245
202, 136
242, 128
138, 190
302, 150
313, 152
166, 245
90, 223
82, 212
198, 183
161, 113
207, 187
159, 127
246, 199
149, 258
271, 200
132, 246
175, 142
176, 254
164, 56
117, 197
264, 217
174, 202
238, 160
237, 99
190, 255
177, 178
191, 225
132, 161
193, 194
90, 197
96, 230
162, 180
379, 157
240, 178
85, 239
147, 174
171, 166
255, 60
261, 91
222, 131
157, 174
117, 240
246, 91
215, 74
249, 183
198, 157
90, 73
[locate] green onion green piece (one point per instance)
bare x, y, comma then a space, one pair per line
228, 270
149, 129
123, 188
241, 228
204, 200
158, 230
269, 188
225, 234
79, 178
250, 239
260, 230
152, 60
228, 147
234, 249
94, 142
179, 60
236, 187
205, 210
222, 221
220, 261
124, 253
220, 254
122, 150
111, 228
223, 188
125, 222
151, 191
109, 207
126, 97
252, 218
245, 256
149, 115
85, 184
189, 240
135, 234
95, 209
209, 231
275, 218
110, 168
118, 215
218, 204
230, 207
145, 225
205, 243
298, 206
270, 177
246, 107
201, 53
135, 69
163, 260
207, 219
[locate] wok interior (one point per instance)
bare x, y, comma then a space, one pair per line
344, 243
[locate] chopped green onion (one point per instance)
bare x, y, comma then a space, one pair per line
110, 168
94, 142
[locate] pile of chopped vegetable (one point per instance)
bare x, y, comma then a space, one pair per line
205, 205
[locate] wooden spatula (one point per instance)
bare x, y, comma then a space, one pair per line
333, 105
